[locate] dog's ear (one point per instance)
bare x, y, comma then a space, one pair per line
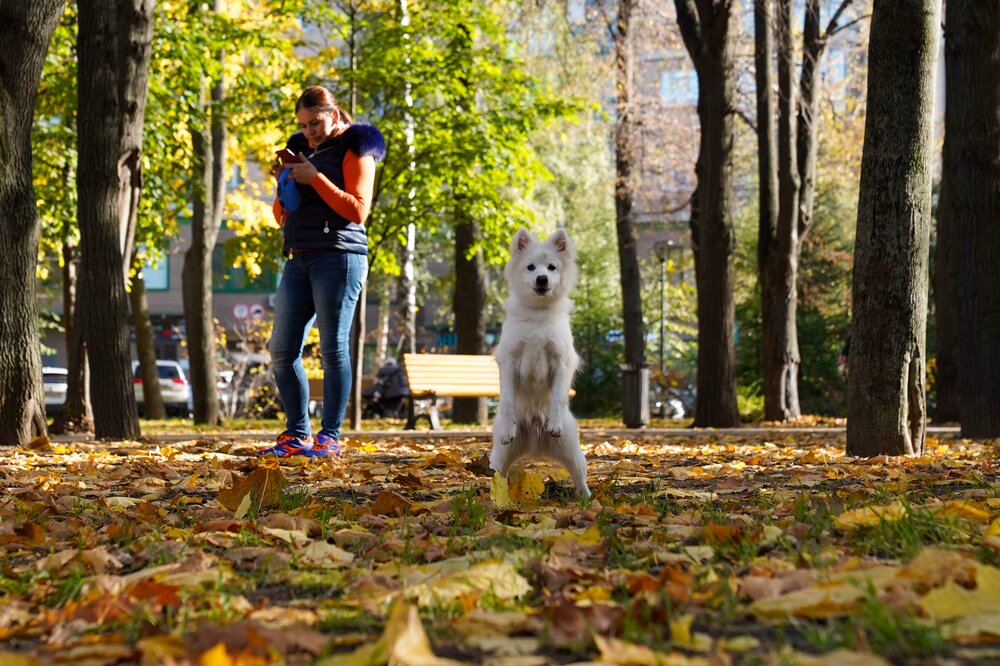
522, 239
561, 242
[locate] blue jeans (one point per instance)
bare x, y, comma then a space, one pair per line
321, 287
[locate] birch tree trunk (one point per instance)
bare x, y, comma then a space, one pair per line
778, 251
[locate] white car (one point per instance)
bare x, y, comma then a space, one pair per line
55, 383
174, 387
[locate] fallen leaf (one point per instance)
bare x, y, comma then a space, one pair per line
264, 486
324, 555
389, 503
403, 643
951, 600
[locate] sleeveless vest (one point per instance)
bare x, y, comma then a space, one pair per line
316, 226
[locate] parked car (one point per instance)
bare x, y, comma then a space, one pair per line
174, 387
55, 382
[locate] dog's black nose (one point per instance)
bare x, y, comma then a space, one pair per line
542, 281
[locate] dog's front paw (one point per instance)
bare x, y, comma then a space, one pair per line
507, 434
554, 429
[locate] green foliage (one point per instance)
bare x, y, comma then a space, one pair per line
750, 404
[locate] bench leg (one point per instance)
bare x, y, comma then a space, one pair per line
433, 419
411, 417
433, 415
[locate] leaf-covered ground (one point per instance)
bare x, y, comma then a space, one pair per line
707, 549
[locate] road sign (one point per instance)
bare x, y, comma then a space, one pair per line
256, 310
240, 311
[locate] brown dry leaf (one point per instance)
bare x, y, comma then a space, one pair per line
263, 486
324, 555
284, 521
933, 566
40, 443
389, 503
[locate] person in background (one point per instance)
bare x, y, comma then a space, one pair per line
842, 359
326, 248
386, 394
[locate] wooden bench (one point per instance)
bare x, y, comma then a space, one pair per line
433, 376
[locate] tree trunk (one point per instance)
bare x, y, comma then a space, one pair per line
25, 31
209, 200
354, 407
706, 33
628, 261
152, 396
886, 406
948, 273
114, 50
76, 415
778, 250
971, 170
470, 308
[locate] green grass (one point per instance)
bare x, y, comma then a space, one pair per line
895, 634
904, 538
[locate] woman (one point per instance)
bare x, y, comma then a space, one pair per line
327, 263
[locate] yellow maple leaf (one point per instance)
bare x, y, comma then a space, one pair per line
952, 600
404, 642
682, 636
525, 487
500, 492
963, 509
870, 515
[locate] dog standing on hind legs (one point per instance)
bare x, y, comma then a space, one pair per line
537, 360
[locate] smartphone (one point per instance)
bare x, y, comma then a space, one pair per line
288, 157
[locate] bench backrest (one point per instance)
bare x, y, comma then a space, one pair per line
455, 375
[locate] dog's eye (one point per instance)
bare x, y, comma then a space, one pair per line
531, 267
552, 267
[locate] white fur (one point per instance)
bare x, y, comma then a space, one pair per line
537, 359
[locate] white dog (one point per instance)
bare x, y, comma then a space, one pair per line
537, 360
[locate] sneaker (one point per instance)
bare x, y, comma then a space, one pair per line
287, 446
323, 446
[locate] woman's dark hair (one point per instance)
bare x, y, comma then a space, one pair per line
320, 99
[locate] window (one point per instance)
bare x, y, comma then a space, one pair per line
678, 86
157, 277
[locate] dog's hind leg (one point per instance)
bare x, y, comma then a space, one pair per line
566, 451
504, 455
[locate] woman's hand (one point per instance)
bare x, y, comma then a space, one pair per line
304, 172
275, 169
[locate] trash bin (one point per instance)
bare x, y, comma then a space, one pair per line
635, 394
